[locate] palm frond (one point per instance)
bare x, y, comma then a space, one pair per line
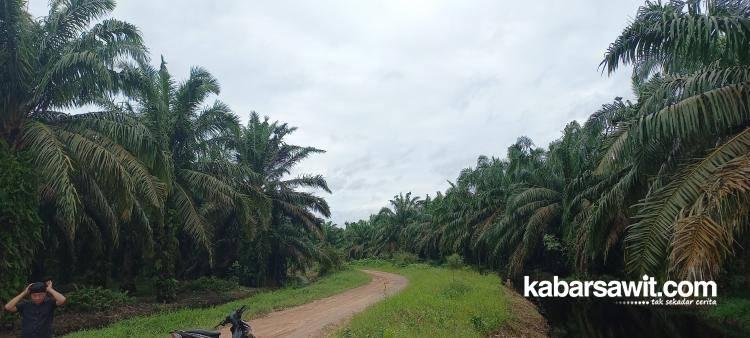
647, 240
56, 168
191, 220
67, 18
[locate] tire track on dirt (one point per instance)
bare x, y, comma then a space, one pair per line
323, 315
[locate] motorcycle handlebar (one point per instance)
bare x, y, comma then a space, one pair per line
224, 322
228, 319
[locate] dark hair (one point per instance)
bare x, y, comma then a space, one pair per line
38, 287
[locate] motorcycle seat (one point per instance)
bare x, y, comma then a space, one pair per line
206, 333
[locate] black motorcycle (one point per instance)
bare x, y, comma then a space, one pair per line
240, 328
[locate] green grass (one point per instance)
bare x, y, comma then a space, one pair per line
161, 324
433, 305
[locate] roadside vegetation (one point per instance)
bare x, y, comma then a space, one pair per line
159, 325
438, 302
95, 307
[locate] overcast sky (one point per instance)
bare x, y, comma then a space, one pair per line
401, 94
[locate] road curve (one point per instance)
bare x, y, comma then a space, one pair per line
318, 317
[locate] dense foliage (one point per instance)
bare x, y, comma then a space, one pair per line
160, 183
96, 299
21, 227
655, 185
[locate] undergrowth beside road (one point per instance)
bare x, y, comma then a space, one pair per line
160, 325
437, 303
732, 316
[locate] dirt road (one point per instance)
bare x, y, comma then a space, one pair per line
316, 318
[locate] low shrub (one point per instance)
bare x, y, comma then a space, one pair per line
454, 262
166, 289
243, 275
296, 281
207, 283
95, 299
331, 260
403, 259
732, 314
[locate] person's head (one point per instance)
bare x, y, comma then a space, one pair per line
38, 292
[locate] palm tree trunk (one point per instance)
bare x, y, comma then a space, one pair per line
128, 268
277, 269
164, 260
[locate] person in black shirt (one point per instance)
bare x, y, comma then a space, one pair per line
37, 314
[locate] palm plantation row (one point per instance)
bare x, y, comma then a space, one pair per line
161, 181
656, 185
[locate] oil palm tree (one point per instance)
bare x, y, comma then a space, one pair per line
694, 205
190, 137
534, 208
64, 60
421, 236
480, 200
359, 237
391, 222
94, 175
189, 134
293, 213
603, 199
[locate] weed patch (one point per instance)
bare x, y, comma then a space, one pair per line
434, 304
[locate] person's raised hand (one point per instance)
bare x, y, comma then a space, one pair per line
49, 285
27, 290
